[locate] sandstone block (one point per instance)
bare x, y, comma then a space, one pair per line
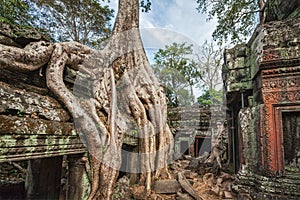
166, 186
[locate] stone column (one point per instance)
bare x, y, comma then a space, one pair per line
78, 184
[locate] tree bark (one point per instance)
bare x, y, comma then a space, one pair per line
147, 98
262, 13
123, 91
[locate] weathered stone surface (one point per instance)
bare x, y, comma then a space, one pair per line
287, 187
31, 82
21, 102
166, 186
273, 43
282, 9
194, 121
236, 71
261, 134
7, 41
21, 35
26, 138
29, 126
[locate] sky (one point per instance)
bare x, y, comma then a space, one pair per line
172, 21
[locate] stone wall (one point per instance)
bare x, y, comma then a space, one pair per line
36, 133
262, 81
196, 126
33, 123
282, 9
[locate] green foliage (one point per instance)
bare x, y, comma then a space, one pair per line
134, 133
146, 6
103, 148
15, 12
176, 71
20, 113
210, 97
174, 84
84, 21
236, 18
117, 196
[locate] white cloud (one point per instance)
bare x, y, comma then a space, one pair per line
180, 16
172, 21
159, 37
144, 22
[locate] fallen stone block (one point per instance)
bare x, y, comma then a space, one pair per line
166, 186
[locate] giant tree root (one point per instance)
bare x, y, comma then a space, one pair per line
185, 184
123, 90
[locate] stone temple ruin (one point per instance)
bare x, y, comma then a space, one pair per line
35, 127
262, 83
195, 128
38, 140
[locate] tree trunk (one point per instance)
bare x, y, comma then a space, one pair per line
262, 13
192, 94
147, 98
122, 92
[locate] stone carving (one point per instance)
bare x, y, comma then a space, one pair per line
281, 83
274, 57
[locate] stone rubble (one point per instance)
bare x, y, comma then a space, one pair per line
204, 185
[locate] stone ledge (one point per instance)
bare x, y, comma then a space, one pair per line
29, 126
26, 138
261, 185
29, 103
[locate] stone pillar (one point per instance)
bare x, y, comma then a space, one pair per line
78, 184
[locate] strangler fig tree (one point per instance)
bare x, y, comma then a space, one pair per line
120, 94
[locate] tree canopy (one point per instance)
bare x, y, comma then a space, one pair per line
15, 12
236, 18
176, 71
84, 21
210, 97
145, 5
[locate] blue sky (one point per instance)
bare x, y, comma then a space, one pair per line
180, 16
172, 21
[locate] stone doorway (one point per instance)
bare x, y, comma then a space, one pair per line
291, 141
184, 147
202, 145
